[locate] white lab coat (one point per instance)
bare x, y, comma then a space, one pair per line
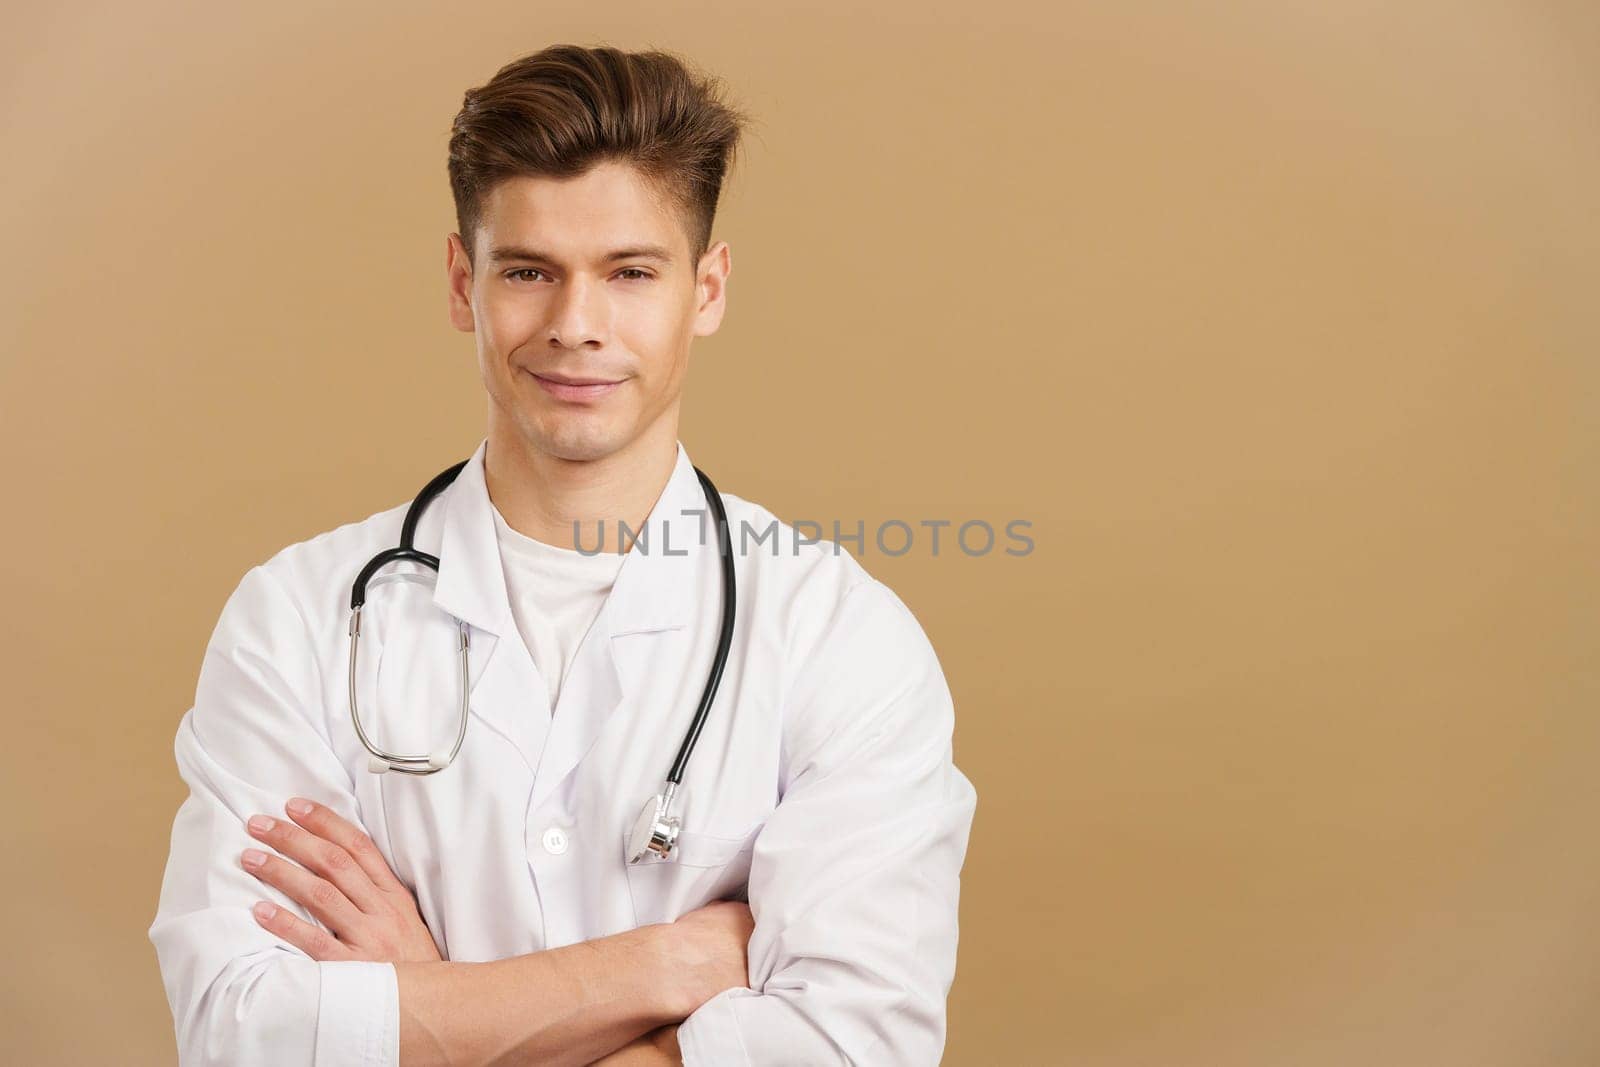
822, 782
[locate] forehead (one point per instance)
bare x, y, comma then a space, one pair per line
609, 206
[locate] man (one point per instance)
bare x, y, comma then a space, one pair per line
313, 912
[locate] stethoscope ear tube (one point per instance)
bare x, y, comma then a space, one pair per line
380, 760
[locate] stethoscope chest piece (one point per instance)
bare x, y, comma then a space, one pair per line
655, 830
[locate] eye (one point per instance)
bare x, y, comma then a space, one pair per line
643, 274
523, 270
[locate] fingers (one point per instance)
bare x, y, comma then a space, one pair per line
321, 897
357, 844
313, 940
324, 858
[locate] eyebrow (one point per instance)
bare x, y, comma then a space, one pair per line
502, 253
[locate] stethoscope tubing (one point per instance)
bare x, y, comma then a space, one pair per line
724, 634
406, 551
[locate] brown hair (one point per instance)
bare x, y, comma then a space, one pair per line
566, 108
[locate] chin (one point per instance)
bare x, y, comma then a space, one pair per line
578, 439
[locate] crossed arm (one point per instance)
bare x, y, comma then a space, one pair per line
615, 1000
855, 871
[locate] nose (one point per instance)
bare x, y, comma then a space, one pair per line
578, 313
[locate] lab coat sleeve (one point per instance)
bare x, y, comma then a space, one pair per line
854, 878
254, 738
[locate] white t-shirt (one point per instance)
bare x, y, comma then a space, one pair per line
555, 593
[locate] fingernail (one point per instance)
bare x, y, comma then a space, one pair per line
261, 824
251, 857
263, 910
297, 806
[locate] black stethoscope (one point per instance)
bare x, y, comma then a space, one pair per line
655, 829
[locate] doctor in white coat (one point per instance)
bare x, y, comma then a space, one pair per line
822, 789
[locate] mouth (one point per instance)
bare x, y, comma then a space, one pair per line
576, 389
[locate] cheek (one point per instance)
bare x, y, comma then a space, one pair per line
659, 338
505, 325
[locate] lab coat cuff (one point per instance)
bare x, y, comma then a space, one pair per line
358, 1014
709, 1037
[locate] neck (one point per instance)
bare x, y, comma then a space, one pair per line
547, 498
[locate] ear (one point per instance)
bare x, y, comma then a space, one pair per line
711, 288
458, 277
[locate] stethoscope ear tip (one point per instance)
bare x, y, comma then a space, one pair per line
377, 764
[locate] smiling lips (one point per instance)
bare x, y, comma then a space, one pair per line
575, 389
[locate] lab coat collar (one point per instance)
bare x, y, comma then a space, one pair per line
651, 586
654, 592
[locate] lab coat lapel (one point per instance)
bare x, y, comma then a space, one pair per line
651, 596
504, 692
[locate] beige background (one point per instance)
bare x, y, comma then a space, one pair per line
1276, 320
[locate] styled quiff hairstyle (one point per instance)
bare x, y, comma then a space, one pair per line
560, 111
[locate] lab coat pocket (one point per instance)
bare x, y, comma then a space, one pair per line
704, 867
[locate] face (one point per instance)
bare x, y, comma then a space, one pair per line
584, 302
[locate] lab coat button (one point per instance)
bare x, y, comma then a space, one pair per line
555, 841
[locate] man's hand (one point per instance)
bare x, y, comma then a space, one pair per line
710, 949
341, 879
658, 1048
